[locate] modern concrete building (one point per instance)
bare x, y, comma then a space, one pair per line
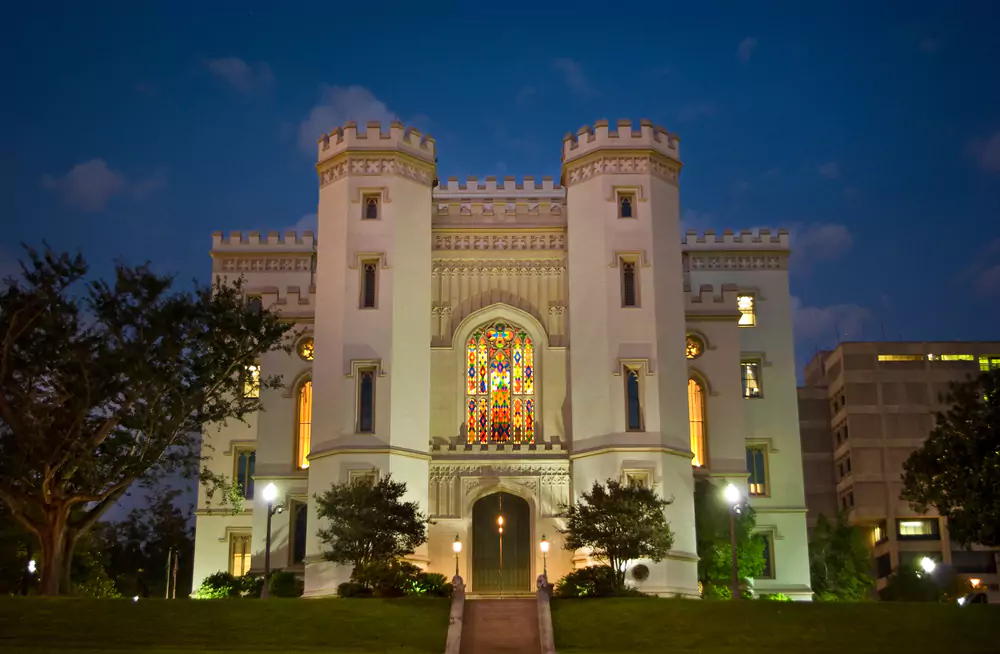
863, 409
499, 346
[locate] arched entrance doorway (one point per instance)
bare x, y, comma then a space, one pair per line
501, 563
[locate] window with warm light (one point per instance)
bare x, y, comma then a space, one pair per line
757, 469
251, 380
750, 373
239, 554
696, 421
633, 399
245, 458
303, 439
366, 400
307, 349
747, 305
987, 363
886, 358
918, 529
879, 533
695, 346
500, 385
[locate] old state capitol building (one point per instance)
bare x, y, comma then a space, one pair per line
499, 346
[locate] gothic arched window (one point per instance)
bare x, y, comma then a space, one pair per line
303, 427
500, 385
696, 418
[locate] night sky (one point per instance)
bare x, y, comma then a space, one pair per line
872, 132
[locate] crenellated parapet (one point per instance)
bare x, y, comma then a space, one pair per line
746, 239
601, 137
376, 138
246, 253
289, 241
506, 187
290, 301
709, 302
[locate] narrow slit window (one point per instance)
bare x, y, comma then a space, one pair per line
630, 295
371, 207
369, 282
300, 530
696, 417
626, 206
633, 400
750, 372
366, 401
304, 435
748, 310
757, 470
246, 460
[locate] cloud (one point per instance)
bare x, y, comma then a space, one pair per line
573, 75
338, 105
820, 242
240, 75
987, 152
830, 170
828, 324
693, 111
746, 48
90, 185
307, 223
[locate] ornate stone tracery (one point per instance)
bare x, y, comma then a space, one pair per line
454, 486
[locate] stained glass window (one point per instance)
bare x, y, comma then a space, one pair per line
500, 385
307, 349
305, 425
695, 346
696, 418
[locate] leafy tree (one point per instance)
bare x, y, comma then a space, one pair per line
839, 561
711, 519
619, 523
957, 470
907, 584
103, 383
369, 522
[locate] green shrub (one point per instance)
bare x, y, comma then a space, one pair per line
285, 584
220, 585
593, 581
430, 584
353, 589
775, 597
252, 586
387, 578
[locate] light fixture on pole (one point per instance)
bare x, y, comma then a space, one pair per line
500, 531
928, 564
457, 548
735, 500
270, 494
544, 545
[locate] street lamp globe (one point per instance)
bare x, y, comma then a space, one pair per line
544, 545
928, 564
457, 545
270, 492
732, 494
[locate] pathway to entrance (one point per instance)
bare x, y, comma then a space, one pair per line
496, 626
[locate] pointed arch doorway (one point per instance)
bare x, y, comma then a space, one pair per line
501, 563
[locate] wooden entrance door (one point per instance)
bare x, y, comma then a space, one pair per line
489, 575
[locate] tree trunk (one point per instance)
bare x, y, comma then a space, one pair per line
53, 542
69, 546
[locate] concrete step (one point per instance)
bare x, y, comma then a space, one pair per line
495, 626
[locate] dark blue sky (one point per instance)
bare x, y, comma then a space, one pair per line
874, 133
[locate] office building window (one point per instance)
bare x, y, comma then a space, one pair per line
918, 529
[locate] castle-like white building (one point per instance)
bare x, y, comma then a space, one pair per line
499, 346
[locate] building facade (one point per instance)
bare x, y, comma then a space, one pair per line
499, 346
864, 408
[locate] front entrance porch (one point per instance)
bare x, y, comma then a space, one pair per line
501, 545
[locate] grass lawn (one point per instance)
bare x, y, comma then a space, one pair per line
642, 625
363, 626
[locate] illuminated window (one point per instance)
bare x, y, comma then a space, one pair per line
748, 310
638, 477
757, 469
696, 421
630, 289
695, 346
951, 357
633, 400
768, 539
366, 401
626, 205
750, 372
307, 349
879, 533
239, 554
251, 380
369, 284
246, 459
918, 529
900, 357
500, 385
371, 207
300, 524
989, 363
364, 476
303, 440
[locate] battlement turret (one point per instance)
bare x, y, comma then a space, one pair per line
762, 239
490, 186
709, 301
375, 138
290, 242
599, 137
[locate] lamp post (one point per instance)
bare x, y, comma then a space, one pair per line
544, 545
270, 494
457, 548
500, 531
734, 498
928, 564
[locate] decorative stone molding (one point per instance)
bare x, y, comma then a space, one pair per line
359, 364
244, 264
630, 255
368, 256
453, 486
471, 241
735, 261
498, 266
616, 164
357, 163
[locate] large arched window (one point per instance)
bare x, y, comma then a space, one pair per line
696, 417
500, 385
303, 425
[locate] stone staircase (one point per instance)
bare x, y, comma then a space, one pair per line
500, 626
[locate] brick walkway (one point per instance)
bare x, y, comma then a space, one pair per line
500, 627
